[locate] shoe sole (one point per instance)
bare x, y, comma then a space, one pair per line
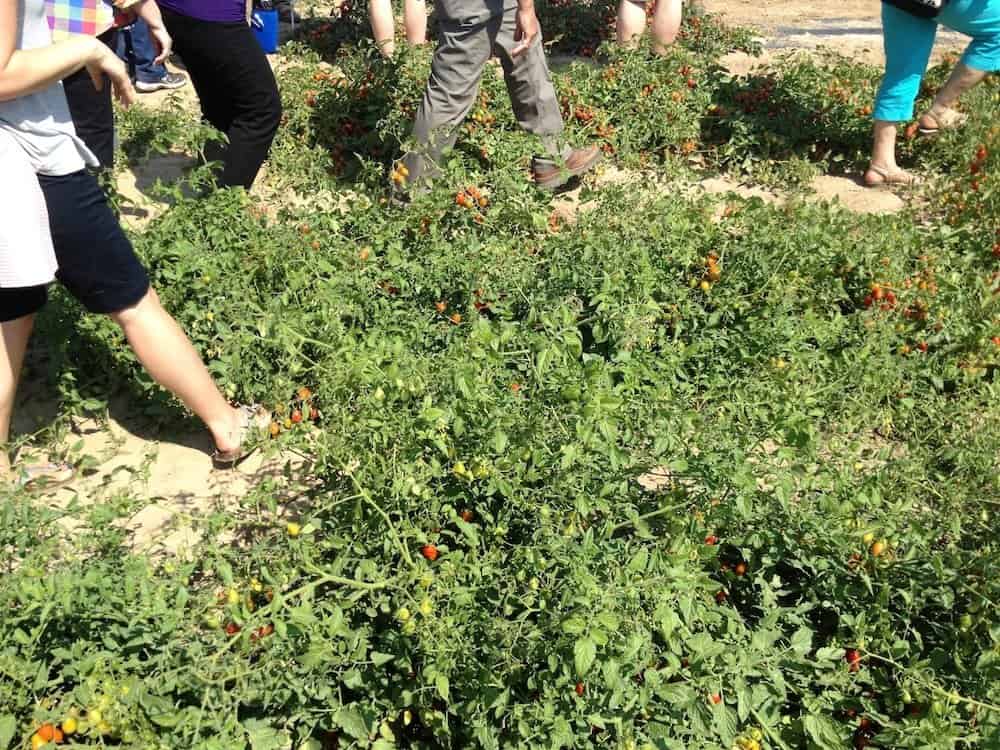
152, 88
563, 176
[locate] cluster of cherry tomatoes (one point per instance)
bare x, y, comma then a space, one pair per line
302, 409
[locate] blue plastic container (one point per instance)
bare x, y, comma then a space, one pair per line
265, 28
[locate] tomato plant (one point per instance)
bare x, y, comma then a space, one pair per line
679, 471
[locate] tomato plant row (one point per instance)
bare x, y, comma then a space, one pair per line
683, 472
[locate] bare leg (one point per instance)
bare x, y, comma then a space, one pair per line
168, 356
14, 335
963, 78
415, 20
666, 24
884, 168
631, 23
383, 26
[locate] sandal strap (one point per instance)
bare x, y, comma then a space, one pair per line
892, 177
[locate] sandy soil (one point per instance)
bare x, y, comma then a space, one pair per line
768, 15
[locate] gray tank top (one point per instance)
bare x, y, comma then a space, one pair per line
472, 11
41, 122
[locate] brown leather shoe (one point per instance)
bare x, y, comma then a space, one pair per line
549, 174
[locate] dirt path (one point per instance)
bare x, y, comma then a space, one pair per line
852, 27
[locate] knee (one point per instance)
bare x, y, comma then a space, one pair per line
274, 112
271, 111
129, 315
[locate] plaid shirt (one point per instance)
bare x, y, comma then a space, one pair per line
88, 17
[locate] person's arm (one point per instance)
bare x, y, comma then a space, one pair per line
24, 72
149, 12
527, 27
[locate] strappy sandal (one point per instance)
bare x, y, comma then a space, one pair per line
252, 420
45, 476
898, 177
951, 121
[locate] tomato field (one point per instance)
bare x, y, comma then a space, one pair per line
669, 470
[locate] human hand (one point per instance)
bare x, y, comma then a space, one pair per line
104, 62
164, 44
526, 30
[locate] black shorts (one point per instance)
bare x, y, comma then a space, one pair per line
97, 264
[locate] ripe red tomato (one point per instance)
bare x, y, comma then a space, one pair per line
715, 698
467, 516
740, 569
430, 552
711, 539
580, 688
47, 732
721, 596
853, 659
296, 416
232, 628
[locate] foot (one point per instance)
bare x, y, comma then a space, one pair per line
169, 82
883, 177
946, 119
550, 174
232, 442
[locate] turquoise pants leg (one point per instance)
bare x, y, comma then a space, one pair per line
909, 41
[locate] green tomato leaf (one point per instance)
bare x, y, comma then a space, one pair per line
8, 728
584, 653
351, 722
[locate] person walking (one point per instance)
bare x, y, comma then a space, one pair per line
665, 27
384, 27
236, 86
136, 48
470, 32
909, 40
92, 110
56, 222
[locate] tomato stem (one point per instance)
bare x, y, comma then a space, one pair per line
385, 517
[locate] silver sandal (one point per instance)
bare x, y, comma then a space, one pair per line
892, 178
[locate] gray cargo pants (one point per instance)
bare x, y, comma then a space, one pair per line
462, 53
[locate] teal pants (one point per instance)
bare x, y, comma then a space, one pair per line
908, 44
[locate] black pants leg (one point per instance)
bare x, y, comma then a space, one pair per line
236, 88
92, 111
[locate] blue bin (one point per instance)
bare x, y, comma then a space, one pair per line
265, 28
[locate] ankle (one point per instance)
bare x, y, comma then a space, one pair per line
886, 165
226, 430
938, 110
